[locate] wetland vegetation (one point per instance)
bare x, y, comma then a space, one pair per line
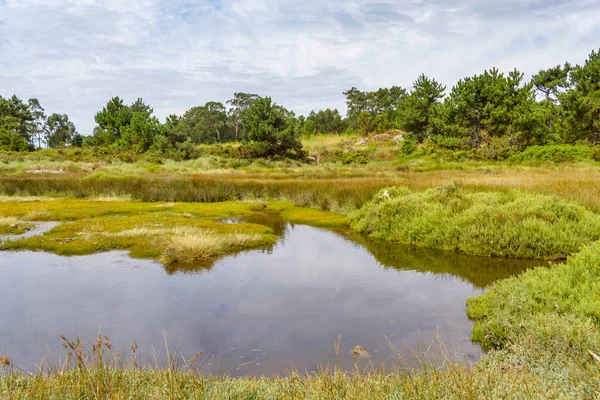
488, 170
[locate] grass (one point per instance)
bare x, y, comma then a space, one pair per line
12, 226
101, 372
546, 321
542, 328
169, 232
513, 309
506, 224
196, 247
330, 187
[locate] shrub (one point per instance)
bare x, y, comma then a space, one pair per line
507, 224
555, 153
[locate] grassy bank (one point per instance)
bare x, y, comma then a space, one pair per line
546, 321
168, 232
97, 382
505, 224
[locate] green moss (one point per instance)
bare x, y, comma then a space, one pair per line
507, 224
314, 217
169, 232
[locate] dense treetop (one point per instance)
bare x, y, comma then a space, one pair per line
560, 104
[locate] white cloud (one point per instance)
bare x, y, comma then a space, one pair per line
76, 54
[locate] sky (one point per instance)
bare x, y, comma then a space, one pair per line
74, 55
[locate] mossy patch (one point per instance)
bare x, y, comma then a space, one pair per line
169, 232
314, 217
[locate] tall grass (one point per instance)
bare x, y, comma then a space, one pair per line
12, 225
334, 188
101, 372
507, 224
202, 246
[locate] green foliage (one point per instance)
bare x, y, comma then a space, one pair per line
240, 103
270, 131
550, 81
582, 102
492, 105
10, 140
416, 111
203, 124
59, 131
556, 153
511, 224
381, 101
20, 119
365, 123
324, 121
514, 308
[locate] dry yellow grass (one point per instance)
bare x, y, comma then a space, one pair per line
23, 199
13, 225
200, 246
9, 221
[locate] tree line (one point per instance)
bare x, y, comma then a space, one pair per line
558, 105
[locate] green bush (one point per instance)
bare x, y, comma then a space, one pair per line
567, 290
507, 224
555, 153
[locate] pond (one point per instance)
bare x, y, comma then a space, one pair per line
257, 312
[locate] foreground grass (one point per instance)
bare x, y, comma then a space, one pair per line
169, 383
506, 224
169, 232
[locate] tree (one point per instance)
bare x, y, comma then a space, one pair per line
494, 105
39, 121
77, 140
128, 127
18, 118
240, 103
271, 130
550, 81
59, 131
111, 120
416, 110
10, 137
582, 102
141, 132
381, 101
204, 124
325, 121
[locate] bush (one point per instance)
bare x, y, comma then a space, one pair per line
566, 290
511, 224
555, 153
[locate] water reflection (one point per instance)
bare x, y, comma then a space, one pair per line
257, 312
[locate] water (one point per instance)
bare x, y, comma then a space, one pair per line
38, 229
258, 312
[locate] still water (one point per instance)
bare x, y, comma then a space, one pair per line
258, 312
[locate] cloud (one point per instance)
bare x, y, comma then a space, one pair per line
75, 54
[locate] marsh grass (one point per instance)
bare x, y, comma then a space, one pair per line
507, 224
329, 187
13, 226
169, 232
100, 371
196, 247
